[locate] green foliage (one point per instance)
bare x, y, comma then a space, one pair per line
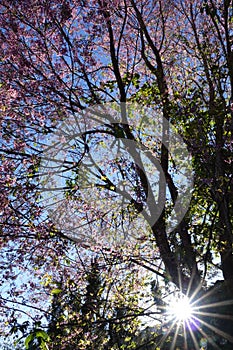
38, 338
100, 315
147, 94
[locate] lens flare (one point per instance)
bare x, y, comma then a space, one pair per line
180, 309
189, 320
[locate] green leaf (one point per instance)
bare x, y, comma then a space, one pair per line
28, 340
44, 346
56, 291
42, 334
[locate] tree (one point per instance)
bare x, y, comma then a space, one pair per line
175, 58
90, 320
96, 311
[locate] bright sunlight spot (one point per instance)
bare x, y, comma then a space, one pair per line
180, 308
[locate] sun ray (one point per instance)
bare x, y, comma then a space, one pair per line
215, 329
192, 297
175, 336
217, 304
166, 335
210, 340
185, 339
214, 314
196, 345
192, 294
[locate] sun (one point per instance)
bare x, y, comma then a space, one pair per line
180, 308
186, 320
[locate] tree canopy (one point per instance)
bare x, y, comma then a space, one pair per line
116, 171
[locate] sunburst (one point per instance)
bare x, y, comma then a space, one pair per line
187, 318
180, 308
